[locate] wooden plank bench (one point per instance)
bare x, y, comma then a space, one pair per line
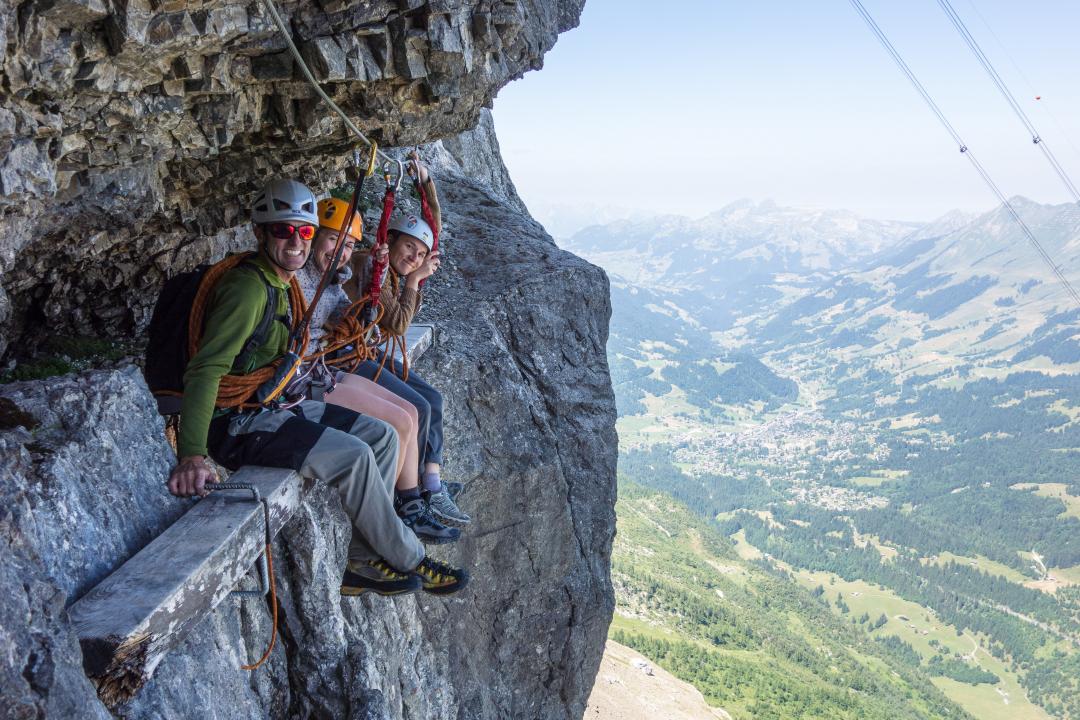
418, 338
146, 607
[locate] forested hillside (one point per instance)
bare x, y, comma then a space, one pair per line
757, 643
898, 427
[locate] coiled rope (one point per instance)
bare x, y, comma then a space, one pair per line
235, 390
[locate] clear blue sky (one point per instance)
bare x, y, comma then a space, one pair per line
682, 107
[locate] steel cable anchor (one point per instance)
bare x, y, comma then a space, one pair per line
264, 574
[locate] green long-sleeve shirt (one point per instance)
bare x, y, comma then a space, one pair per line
233, 312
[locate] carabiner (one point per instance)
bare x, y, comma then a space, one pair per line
414, 164
395, 186
372, 160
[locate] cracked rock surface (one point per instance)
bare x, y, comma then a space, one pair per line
519, 353
133, 135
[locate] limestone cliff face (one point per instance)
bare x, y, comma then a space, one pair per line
89, 230
133, 133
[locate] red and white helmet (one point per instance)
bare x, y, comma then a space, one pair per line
414, 226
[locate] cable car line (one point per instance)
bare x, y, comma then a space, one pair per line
1036, 137
921, 89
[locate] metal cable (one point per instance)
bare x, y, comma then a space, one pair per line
884, 40
287, 35
1036, 138
1020, 72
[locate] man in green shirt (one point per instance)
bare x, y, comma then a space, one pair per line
351, 452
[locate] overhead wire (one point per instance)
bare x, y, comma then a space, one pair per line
921, 89
287, 35
1003, 88
351, 126
1020, 72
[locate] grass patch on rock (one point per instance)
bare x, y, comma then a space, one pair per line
63, 355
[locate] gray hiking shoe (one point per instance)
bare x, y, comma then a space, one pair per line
453, 489
445, 509
416, 514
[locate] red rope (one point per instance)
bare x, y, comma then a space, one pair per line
429, 218
378, 268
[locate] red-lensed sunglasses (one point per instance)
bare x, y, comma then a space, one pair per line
284, 231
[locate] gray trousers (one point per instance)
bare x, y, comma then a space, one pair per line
353, 453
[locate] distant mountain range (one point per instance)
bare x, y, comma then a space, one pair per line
733, 257
885, 414
762, 238
963, 293
973, 301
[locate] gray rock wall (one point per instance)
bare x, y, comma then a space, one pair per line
133, 134
519, 351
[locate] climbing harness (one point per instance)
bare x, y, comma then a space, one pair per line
964, 149
266, 565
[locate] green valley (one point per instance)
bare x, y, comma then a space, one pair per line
755, 643
894, 435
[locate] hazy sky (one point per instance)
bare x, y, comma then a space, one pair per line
654, 108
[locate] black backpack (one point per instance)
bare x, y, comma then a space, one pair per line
167, 349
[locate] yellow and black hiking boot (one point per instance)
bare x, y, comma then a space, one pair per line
439, 578
377, 577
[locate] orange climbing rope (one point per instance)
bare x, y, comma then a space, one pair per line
350, 334
273, 610
235, 390
391, 344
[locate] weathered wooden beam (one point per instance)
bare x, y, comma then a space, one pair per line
131, 619
418, 338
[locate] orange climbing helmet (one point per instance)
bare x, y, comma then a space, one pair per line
332, 215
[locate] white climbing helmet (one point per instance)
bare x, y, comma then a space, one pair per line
284, 201
412, 225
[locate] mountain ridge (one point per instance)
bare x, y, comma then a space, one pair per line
926, 467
